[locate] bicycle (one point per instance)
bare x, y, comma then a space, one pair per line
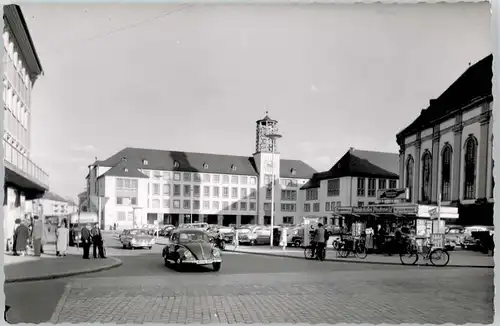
308, 253
436, 255
357, 248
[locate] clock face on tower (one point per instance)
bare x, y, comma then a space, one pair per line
268, 166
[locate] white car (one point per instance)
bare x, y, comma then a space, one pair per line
136, 238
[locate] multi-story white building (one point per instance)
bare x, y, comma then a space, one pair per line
448, 149
24, 180
51, 205
354, 181
141, 186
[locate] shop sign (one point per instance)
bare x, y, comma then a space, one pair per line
405, 210
342, 210
373, 210
395, 193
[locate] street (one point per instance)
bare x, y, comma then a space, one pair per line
257, 289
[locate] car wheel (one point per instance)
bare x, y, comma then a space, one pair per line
124, 246
253, 243
297, 243
216, 266
150, 247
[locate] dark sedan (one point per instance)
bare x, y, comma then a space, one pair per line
191, 246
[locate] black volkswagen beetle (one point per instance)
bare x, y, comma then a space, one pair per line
191, 246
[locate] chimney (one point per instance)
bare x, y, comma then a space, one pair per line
351, 149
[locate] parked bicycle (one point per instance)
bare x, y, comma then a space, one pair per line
438, 256
354, 247
308, 252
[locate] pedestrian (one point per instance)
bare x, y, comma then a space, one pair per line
114, 226
319, 240
21, 237
85, 234
236, 240
97, 241
37, 236
284, 238
62, 234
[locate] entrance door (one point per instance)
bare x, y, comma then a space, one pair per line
152, 217
267, 220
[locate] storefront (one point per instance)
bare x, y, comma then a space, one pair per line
421, 219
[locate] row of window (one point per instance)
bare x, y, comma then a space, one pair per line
312, 194
205, 204
470, 167
195, 191
126, 184
315, 206
14, 127
124, 216
15, 72
372, 186
201, 177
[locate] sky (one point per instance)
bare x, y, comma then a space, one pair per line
196, 77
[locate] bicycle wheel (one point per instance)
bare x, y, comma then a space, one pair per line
343, 252
409, 257
439, 257
361, 252
308, 254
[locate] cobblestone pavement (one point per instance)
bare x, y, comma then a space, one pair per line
416, 295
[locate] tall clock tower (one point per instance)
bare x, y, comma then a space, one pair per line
267, 159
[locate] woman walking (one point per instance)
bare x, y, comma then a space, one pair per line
21, 236
62, 234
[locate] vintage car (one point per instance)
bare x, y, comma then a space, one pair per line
254, 235
191, 247
136, 238
166, 230
454, 236
226, 231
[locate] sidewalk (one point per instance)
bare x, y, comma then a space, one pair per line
457, 258
49, 266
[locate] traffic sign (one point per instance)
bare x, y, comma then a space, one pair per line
433, 212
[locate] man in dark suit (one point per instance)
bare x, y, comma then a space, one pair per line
97, 241
86, 241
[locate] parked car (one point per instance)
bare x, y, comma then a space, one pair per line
136, 238
226, 231
454, 236
191, 246
199, 225
166, 230
254, 235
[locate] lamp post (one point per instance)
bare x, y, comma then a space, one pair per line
273, 137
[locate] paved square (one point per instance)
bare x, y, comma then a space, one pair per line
433, 295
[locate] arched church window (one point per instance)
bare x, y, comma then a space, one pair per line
426, 176
470, 168
446, 173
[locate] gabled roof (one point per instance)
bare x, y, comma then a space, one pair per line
473, 86
359, 163
55, 197
295, 169
200, 162
124, 170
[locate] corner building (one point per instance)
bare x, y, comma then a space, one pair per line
139, 186
24, 180
447, 149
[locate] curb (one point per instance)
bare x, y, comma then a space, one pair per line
356, 261
117, 263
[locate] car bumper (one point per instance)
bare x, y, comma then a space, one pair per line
141, 245
200, 262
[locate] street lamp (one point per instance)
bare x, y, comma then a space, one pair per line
273, 137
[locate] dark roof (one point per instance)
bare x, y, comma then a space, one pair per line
473, 86
266, 119
194, 162
123, 169
295, 169
52, 196
359, 163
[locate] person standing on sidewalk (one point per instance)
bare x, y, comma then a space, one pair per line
21, 237
62, 234
319, 240
37, 236
85, 234
236, 240
97, 241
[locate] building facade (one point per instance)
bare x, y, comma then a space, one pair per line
143, 186
446, 153
51, 205
24, 180
354, 181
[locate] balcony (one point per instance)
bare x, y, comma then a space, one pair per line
22, 172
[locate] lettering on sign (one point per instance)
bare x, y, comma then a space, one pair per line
373, 210
342, 210
405, 210
395, 193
